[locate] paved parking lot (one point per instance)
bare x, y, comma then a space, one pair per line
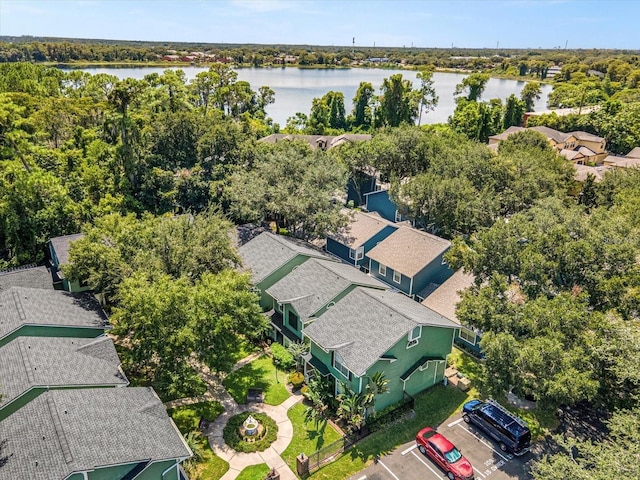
407, 463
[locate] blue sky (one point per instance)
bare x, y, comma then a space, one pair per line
422, 23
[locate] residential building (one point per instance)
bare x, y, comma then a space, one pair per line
444, 301
364, 232
92, 434
30, 366
30, 276
322, 142
371, 330
410, 261
33, 312
308, 291
270, 257
59, 255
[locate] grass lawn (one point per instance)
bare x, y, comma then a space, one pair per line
306, 437
243, 349
187, 419
261, 373
432, 408
254, 472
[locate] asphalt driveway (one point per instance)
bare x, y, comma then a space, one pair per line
407, 463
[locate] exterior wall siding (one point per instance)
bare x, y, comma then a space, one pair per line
48, 331
116, 472
435, 272
373, 241
381, 203
265, 300
339, 250
403, 286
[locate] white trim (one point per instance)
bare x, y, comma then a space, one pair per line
412, 343
331, 305
411, 337
411, 286
468, 332
399, 281
382, 269
335, 353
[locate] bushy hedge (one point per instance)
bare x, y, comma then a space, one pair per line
233, 438
282, 359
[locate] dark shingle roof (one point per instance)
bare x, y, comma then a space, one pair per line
408, 250
316, 282
29, 362
65, 431
267, 252
31, 306
33, 277
366, 323
61, 246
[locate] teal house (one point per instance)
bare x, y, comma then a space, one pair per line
371, 330
364, 232
411, 261
444, 300
92, 434
33, 312
380, 202
34, 365
59, 256
308, 291
268, 258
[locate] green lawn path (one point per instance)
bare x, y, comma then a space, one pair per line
261, 373
254, 472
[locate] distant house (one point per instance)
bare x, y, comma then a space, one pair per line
364, 232
34, 365
322, 142
36, 312
583, 171
621, 162
30, 276
93, 434
308, 291
59, 255
371, 331
410, 260
444, 301
270, 257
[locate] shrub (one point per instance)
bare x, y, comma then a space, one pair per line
282, 359
233, 438
304, 390
296, 379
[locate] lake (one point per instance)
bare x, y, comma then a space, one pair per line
295, 88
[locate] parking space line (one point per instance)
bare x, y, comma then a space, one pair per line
479, 472
484, 443
409, 449
388, 470
426, 464
454, 423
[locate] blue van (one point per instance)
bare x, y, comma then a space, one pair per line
510, 432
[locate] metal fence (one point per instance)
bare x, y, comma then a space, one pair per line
386, 418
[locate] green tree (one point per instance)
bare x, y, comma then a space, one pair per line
397, 104
530, 93
426, 93
472, 86
362, 114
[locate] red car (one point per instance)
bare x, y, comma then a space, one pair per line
444, 453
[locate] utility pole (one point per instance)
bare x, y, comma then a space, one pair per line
353, 48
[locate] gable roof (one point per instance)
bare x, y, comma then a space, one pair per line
571, 154
315, 141
555, 135
267, 252
586, 137
31, 277
582, 171
366, 323
66, 431
21, 306
509, 131
634, 153
362, 227
316, 282
61, 246
621, 162
444, 299
408, 250
29, 362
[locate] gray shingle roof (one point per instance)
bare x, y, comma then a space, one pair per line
366, 323
445, 298
34, 277
361, 228
586, 137
61, 246
65, 431
315, 140
408, 250
555, 135
267, 252
31, 306
316, 282
29, 362
509, 131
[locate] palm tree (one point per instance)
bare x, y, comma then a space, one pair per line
352, 408
298, 350
377, 386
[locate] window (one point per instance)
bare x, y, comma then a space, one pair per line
467, 335
277, 306
382, 270
444, 261
357, 254
338, 364
397, 276
415, 333
330, 305
294, 321
398, 216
